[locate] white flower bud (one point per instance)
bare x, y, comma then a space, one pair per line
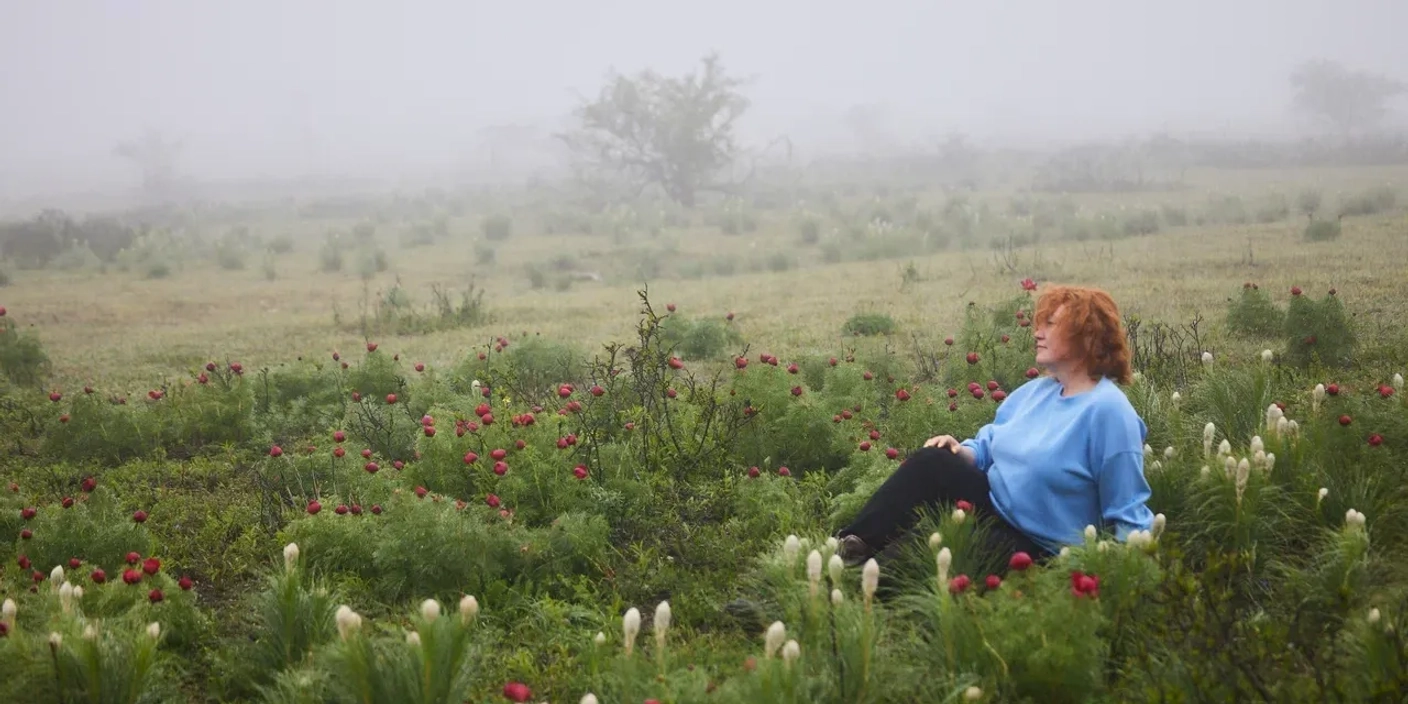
1157, 465
1397, 382
154, 630
56, 576
1102, 546
1207, 358
1270, 461
1159, 523
413, 639
1205, 471
1090, 532
1148, 451
1374, 616
90, 632
430, 609
1176, 398
959, 515
832, 543
972, 694
1169, 452
78, 593
790, 547
348, 621
1354, 518
1267, 355
630, 627
791, 651
870, 578
772, 640
8, 611
290, 555
1209, 431
66, 597
588, 698
836, 567
1257, 445
944, 561
1259, 458
599, 639
1320, 495
814, 568
469, 608
1230, 464
662, 622
1065, 551
935, 540
1319, 393
837, 597
55, 640
1224, 448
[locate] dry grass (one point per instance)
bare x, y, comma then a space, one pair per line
118, 330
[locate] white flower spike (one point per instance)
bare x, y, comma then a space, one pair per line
835, 566
630, 627
772, 640
290, 555
870, 578
430, 609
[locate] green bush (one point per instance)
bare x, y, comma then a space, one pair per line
1322, 230
497, 228
1252, 314
1318, 332
866, 324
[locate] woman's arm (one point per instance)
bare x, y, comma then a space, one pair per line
1124, 493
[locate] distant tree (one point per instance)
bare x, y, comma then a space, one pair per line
1344, 100
674, 133
156, 156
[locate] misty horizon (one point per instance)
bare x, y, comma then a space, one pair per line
264, 90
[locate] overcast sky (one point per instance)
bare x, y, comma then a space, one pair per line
352, 87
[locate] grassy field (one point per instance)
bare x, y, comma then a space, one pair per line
194, 530
122, 329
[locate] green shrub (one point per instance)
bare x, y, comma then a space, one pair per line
866, 324
1318, 332
1252, 314
1322, 230
22, 357
497, 227
699, 338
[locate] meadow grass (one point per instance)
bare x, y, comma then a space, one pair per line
119, 329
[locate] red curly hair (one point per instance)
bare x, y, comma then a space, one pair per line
1093, 327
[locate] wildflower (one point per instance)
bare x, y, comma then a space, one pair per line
1259, 458
814, 570
630, 626
1270, 461
972, 694
1065, 551
1158, 528
7, 613
1354, 518
1209, 431
1148, 451
791, 651
1397, 382
469, 608
600, 639
1320, 495
1374, 616
1267, 355
835, 566
1176, 397
959, 515
413, 639
790, 547
1206, 470
1020, 561
430, 609
837, 597
1224, 448
1257, 445
56, 575
1090, 532
772, 640
290, 556
870, 578
348, 621
944, 561
1230, 464
517, 692
90, 632
832, 543
1207, 358
1244, 469
1139, 539
662, 623
154, 630
55, 641
1317, 395
66, 597
1083, 584
935, 540
1169, 452
1157, 465
588, 698
959, 584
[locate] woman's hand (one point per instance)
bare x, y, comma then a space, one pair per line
951, 444
947, 441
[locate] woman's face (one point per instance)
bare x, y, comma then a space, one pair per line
1052, 348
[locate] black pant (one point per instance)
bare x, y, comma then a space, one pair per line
928, 478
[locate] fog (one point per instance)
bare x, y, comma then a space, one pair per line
259, 89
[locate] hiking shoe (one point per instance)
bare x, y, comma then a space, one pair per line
853, 550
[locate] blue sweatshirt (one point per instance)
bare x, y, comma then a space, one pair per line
1057, 464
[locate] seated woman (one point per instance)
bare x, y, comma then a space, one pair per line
1065, 450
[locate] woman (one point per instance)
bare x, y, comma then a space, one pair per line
1066, 450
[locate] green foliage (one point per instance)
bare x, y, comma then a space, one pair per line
699, 338
869, 324
22, 357
1318, 332
1322, 230
1254, 315
497, 227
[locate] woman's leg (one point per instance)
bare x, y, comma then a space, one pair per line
928, 477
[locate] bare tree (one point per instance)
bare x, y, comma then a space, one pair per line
156, 156
1344, 100
674, 133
